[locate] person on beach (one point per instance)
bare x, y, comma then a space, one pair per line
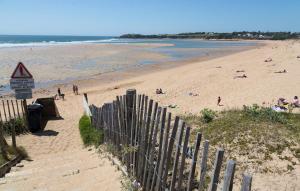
242, 76
295, 102
159, 91
60, 94
219, 101
283, 71
74, 89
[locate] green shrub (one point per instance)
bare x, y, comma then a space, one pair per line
90, 135
19, 124
264, 113
208, 115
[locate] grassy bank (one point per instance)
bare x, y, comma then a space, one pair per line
259, 139
90, 136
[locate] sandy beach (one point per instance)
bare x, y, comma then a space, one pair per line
208, 78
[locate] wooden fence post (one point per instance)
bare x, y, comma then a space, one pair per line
170, 150
4, 110
13, 108
216, 171
246, 183
183, 156
146, 143
18, 108
194, 162
136, 134
149, 149
159, 183
24, 107
132, 136
177, 154
162, 128
228, 176
130, 94
152, 153
203, 166
86, 97
13, 128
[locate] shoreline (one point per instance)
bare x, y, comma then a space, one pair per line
138, 71
125, 72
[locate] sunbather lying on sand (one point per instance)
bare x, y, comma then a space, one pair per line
193, 94
283, 71
242, 76
282, 101
240, 71
268, 60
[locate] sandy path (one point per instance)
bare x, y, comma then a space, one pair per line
60, 162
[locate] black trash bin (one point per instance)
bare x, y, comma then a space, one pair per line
35, 117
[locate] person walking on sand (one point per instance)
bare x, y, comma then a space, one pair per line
74, 89
60, 94
219, 101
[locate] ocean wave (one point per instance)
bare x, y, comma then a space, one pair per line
52, 43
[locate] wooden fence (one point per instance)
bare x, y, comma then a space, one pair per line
12, 118
156, 148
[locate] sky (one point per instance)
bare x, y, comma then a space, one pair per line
116, 17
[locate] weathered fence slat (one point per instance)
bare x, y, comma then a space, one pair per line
177, 154
164, 153
228, 176
194, 162
246, 183
183, 156
152, 151
203, 165
170, 150
216, 170
147, 142
4, 110
17, 104
157, 163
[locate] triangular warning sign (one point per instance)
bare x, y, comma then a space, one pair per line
21, 72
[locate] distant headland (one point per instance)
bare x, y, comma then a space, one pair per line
244, 35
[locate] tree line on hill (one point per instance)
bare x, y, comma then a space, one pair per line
213, 35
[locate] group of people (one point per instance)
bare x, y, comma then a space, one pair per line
62, 95
75, 89
282, 103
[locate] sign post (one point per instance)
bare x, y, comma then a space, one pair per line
22, 82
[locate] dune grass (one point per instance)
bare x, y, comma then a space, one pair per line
90, 136
255, 133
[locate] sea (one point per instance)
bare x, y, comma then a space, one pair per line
173, 49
